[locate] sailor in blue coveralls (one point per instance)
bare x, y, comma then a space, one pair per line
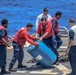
3, 44
56, 28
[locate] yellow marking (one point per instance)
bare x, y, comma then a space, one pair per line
44, 72
63, 69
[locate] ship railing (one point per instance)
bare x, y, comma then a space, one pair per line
63, 31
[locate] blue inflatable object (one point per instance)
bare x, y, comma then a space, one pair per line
42, 54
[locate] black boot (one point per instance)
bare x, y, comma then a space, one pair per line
57, 61
3, 71
38, 63
20, 65
11, 68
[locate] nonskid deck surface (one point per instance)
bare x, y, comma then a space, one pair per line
32, 69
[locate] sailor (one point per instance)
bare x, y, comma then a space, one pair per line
46, 31
3, 44
18, 42
45, 15
56, 28
72, 46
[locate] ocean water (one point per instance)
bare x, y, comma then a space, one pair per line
21, 12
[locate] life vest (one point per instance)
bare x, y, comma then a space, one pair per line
43, 29
57, 24
5, 37
18, 39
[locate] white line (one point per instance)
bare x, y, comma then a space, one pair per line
48, 70
18, 71
63, 69
21, 71
63, 46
